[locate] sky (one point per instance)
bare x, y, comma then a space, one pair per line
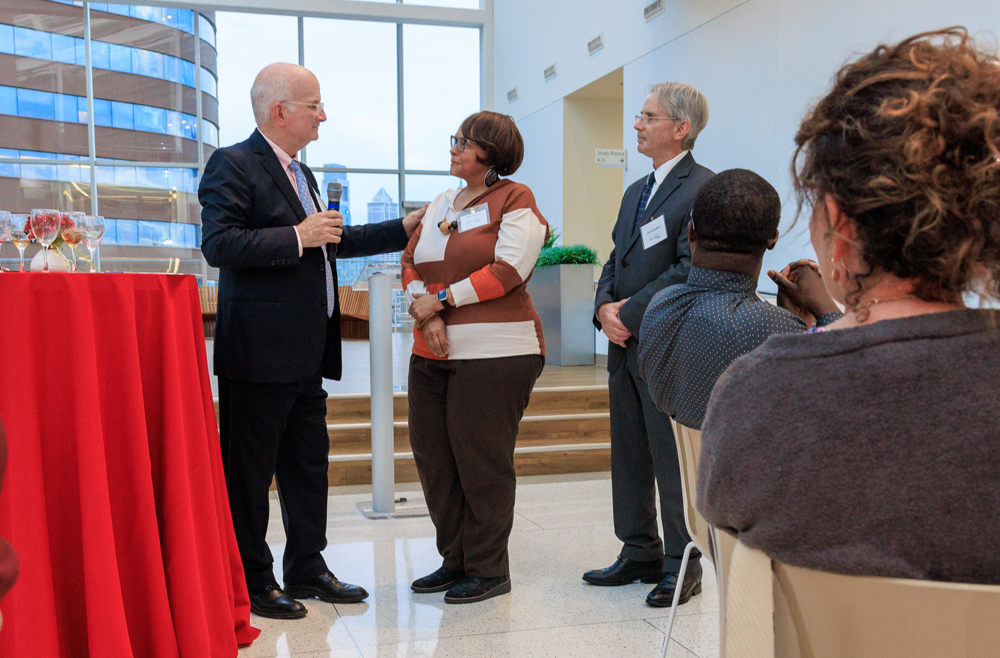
355, 63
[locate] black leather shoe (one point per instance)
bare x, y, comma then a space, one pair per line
625, 571
662, 595
442, 579
273, 603
326, 587
474, 588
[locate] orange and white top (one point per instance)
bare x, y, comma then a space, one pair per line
487, 266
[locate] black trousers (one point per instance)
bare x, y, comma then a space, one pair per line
644, 458
276, 430
463, 424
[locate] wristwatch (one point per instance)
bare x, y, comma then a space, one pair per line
443, 298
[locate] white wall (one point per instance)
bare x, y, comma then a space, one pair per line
542, 168
759, 62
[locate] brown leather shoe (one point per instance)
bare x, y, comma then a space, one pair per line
662, 595
271, 602
326, 587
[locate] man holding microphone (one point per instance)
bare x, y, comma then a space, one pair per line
278, 333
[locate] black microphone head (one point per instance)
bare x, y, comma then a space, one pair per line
333, 192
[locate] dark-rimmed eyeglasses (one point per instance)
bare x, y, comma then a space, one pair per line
460, 142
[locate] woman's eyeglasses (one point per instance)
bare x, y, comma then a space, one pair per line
460, 142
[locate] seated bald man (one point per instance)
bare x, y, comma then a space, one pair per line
278, 333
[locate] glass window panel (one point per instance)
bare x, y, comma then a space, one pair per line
170, 17
153, 233
211, 133
64, 48
172, 69
128, 232
110, 231
153, 178
81, 109
100, 55
369, 197
174, 125
145, 62
241, 58
360, 93
81, 53
207, 33
209, 84
35, 104
102, 112
8, 100
121, 10
7, 39
423, 188
176, 235
69, 173
31, 43
66, 108
177, 179
121, 58
99, 6
125, 176
10, 170
187, 73
441, 88
105, 175
38, 172
146, 13
185, 20
152, 119
121, 115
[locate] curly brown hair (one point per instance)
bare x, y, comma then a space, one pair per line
906, 144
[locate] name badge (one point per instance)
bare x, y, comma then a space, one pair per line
473, 217
654, 232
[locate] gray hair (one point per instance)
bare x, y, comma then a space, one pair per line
683, 102
271, 86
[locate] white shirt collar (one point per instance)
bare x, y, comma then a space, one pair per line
661, 172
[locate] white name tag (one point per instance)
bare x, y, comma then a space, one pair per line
473, 217
654, 232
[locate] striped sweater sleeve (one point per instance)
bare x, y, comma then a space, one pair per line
412, 283
519, 242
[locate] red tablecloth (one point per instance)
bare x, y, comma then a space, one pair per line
115, 498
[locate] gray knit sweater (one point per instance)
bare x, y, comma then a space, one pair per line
873, 450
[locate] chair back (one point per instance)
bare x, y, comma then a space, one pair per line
688, 450
773, 609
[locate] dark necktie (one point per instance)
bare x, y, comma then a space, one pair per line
307, 204
650, 181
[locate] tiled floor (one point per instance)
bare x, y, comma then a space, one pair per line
562, 527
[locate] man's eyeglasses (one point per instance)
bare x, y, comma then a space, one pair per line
315, 107
460, 142
648, 118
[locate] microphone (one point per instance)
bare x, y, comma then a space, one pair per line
333, 193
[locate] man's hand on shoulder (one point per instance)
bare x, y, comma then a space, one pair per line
321, 228
611, 324
801, 291
410, 221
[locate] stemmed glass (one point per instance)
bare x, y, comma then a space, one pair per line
93, 233
72, 232
4, 228
45, 224
20, 233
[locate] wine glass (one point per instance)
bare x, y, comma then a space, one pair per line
20, 233
5, 225
93, 233
72, 232
45, 224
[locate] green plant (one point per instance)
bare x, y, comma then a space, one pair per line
551, 240
576, 254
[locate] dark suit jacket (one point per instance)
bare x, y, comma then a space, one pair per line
637, 273
272, 324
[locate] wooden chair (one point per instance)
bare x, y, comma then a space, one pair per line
209, 296
773, 610
688, 450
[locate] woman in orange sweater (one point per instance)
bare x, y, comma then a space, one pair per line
477, 351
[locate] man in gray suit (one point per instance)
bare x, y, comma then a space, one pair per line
651, 252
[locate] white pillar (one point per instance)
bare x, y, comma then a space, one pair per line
380, 346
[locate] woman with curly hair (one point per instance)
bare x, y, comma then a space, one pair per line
871, 447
